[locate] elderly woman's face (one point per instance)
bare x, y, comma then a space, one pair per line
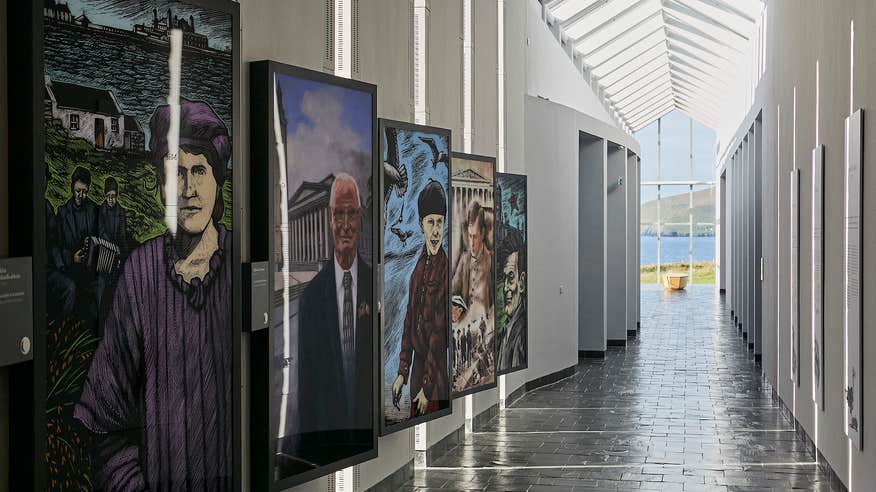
196, 192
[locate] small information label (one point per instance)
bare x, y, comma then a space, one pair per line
16, 310
261, 295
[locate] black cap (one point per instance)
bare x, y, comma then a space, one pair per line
432, 200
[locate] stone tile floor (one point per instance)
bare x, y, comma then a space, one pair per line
681, 408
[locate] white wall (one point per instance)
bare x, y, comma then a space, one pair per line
552, 170
550, 73
615, 245
799, 35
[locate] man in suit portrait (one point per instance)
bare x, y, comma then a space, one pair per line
336, 400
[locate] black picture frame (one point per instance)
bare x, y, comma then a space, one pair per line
495, 383
412, 127
25, 93
262, 197
526, 242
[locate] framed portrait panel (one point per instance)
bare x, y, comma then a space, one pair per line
416, 274
853, 326
315, 221
512, 322
134, 241
473, 283
817, 271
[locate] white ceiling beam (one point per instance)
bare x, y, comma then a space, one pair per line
683, 86
650, 110
655, 101
630, 70
706, 119
713, 81
581, 14
653, 112
656, 80
628, 98
729, 19
675, 24
697, 104
710, 88
654, 38
705, 86
681, 59
719, 51
634, 84
630, 104
554, 4
730, 8
694, 108
685, 10
719, 57
675, 48
620, 63
639, 25
619, 18
645, 94
648, 119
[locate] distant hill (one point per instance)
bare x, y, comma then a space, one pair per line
675, 209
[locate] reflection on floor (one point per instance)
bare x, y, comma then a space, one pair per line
681, 408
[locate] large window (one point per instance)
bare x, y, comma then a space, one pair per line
677, 224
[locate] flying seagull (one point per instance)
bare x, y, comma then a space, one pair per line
402, 235
394, 172
437, 156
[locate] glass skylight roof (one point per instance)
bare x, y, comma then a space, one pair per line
652, 56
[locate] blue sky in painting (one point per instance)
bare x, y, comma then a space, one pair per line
329, 130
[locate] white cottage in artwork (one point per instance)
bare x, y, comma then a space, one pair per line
93, 114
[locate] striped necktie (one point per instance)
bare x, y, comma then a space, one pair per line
348, 322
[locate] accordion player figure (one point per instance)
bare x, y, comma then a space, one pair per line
101, 255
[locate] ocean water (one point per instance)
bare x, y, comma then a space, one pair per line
674, 249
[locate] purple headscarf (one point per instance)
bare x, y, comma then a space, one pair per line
201, 131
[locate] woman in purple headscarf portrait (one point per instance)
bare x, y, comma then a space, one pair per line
157, 399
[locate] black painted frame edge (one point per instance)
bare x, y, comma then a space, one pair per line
26, 144
261, 339
495, 383
526, 236
384, 429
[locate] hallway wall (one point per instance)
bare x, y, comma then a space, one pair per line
801, 36
527, 42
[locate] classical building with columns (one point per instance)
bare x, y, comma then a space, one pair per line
310, 242
468, 185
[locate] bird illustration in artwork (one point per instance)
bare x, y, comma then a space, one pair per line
513, 201
401, 215
402, 235
437, 155
395, 175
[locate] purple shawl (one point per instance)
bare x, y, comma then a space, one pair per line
157, 399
